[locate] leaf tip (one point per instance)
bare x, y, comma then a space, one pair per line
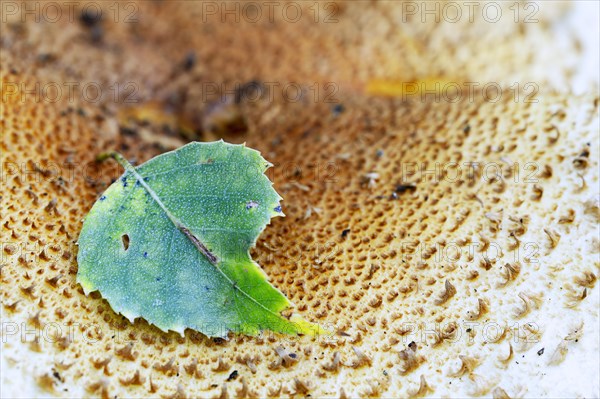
307, 328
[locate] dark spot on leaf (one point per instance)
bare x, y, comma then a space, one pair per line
158, 279
125, 239
233, 375
124, 180
277, 209
345, 232
146, 178
103, 198
251, 204
145, 254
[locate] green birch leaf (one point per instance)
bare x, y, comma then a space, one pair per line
169, 241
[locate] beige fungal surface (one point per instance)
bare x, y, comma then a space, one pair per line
452, 246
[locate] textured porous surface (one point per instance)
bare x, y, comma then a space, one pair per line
452, 246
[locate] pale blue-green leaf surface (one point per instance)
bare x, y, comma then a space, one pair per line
169, 241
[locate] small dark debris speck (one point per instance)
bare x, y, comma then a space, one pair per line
345, 232
103, 198
189, 61
337, 109
540, 352
292, 355
126, 131
277, 209
402, 188
585, 153
233, 375
90, 17
43, 58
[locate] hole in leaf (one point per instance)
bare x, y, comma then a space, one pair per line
125, 239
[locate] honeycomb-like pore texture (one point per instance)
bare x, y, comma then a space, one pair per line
453, 247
